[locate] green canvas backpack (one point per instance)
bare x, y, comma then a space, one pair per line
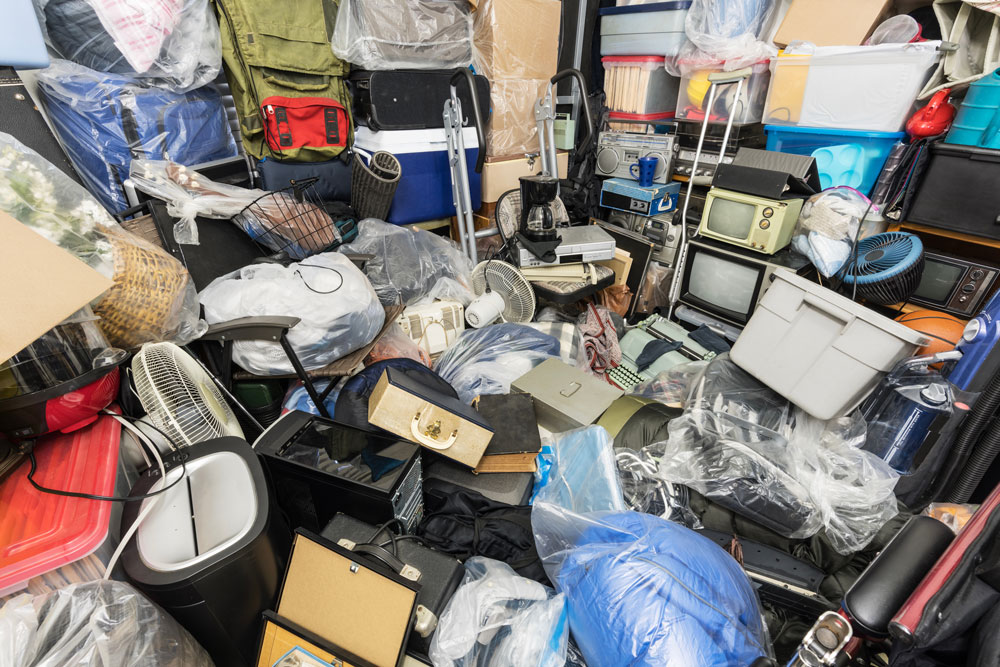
288, 86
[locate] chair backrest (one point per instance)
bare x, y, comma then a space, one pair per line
508, 213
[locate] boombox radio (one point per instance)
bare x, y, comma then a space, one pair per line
617, 152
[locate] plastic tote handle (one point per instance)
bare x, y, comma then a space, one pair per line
833, 311
426, 439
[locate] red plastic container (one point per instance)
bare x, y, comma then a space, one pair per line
41, 532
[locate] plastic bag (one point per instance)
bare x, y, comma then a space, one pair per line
98, 624
655, 290
670, 387
396, 34
645, 591
412, 265
152, 299
338, 309
645, 492
395, 344
297, 398
577, 470
749, 450
172, 43
500, 619
726, 32
278, 221
953, 515
487, 360
828, 226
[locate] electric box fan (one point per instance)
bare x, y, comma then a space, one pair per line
180, 396
502, 293
886, 268
433, 326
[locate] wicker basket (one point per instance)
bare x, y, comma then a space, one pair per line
374, 185
147, 294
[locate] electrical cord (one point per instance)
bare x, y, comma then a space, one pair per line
317, 266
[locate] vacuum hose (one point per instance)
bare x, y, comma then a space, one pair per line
989, 447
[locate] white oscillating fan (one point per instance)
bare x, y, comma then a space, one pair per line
180, 397
502, 292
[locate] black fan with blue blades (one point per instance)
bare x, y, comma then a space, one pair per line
886, 268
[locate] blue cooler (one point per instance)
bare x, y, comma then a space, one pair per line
424, 190
843, 157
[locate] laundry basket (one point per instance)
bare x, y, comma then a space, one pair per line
373, 185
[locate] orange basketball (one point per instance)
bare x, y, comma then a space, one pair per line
943, 329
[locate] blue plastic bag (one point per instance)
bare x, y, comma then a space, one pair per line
577, 471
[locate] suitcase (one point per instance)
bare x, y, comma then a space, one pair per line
410, 99
20, 118
439, 578
106, 120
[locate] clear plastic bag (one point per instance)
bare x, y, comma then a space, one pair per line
749, 450
487, 360
95, 624
152, 299
645, 591
655, 290
512, 129
671, 387
577, 470
337, 307
395, 344
279, 222
517, 40
500, 619
397, 34
648, 493
172, 43
828, 225
724, 31
412, 265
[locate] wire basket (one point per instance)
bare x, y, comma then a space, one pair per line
291, 221
374, 185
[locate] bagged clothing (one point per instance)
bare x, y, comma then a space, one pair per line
465, 523
152, 299
499, 619
487, 360
172, 44
107, 120
576, 471
99, 624
288, 86
642, 590
397, 34
412, 265
338, 309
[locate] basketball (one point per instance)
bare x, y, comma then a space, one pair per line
943, 329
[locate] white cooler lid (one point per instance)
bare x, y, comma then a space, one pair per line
409, 141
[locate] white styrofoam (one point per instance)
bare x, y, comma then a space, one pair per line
818, 349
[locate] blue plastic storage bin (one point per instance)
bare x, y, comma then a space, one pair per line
978, 119
843, 157
424, 190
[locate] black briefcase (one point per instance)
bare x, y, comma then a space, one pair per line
438, 574
411, 99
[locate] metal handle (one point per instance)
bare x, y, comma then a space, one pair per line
730, 77
477, 117
428, 441
575, 73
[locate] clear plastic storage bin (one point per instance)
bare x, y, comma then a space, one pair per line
639, 86
852, 88
647, 29
693, 94
818, 349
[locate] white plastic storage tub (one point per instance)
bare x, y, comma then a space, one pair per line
849, 88
424, 190
648, 29
818, 349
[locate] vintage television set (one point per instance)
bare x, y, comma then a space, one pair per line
955, 285
761, 224
726, 282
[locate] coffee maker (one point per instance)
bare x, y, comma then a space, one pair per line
537, 222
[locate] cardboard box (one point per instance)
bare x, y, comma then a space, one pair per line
825, 23
501, 174
512, 131
517, 39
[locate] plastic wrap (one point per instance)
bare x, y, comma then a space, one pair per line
655, 290
953, 515
517, 39
397, 34
577, 470
512, 129
828, 226
645, 492
279, 221
412, 265
172, 43
725, 31
671, 387
152, 299
337, 307
95, 624
500, 619
752, 452
487, 360
395, 344
645, 591
105, 120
